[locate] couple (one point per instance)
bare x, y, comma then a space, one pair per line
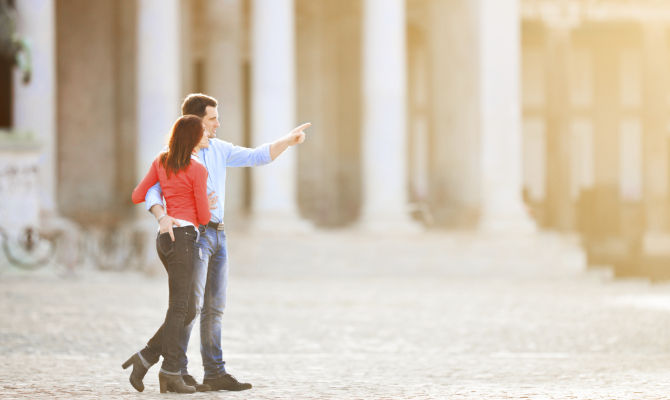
191, 243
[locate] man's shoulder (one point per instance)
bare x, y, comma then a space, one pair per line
217, 144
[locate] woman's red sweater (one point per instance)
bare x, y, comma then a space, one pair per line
185, 192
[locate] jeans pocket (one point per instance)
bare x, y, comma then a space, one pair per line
165, 244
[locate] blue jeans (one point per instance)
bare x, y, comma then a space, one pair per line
208, 298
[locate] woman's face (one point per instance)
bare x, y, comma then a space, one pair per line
204, 140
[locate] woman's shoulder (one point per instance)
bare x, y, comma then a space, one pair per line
157, 161
197, 166
160, 156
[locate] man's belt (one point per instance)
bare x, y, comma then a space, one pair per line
215, 225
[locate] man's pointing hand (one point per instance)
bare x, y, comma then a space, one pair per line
297, 136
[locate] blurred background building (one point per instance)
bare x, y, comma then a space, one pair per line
503, 115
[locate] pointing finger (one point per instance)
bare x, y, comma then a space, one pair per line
303, 127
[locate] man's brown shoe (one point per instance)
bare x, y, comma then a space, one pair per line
226, 382
199, 387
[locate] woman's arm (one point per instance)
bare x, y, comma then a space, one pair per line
203, 214
143, 187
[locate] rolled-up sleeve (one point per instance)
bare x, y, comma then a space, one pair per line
154, 196
239, 156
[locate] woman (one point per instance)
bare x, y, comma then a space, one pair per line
183, 180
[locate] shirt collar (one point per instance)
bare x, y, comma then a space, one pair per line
196, 158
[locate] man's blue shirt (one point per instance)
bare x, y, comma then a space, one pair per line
217, 157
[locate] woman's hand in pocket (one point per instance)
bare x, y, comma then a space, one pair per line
166, 224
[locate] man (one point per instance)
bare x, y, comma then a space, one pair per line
208, 297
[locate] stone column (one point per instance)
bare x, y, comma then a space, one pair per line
419, 117
34, 104
223, 80
317, 69
655, 139
89, 83
558, 201
607, 119
500, 58
606, 138
273, 111
158, 77
454, 104
384, 116
158, 97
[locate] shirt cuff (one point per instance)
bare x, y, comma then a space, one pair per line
152, 203
267, 158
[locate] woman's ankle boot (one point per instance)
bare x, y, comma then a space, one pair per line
139, 370
173, 383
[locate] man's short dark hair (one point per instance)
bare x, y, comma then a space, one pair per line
196, 103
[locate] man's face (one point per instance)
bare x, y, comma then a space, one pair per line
204, 140
211, 121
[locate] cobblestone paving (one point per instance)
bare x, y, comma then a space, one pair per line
347, 316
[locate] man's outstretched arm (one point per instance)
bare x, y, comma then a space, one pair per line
296, 136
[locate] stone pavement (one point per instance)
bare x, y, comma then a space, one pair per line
346, 315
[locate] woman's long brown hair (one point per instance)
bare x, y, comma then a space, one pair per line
186, 134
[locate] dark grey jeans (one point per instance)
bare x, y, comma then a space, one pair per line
177, 258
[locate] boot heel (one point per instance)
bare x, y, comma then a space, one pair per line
139, 370
128, 362
163, 384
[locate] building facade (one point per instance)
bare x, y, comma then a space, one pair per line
595, 110
443, 113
